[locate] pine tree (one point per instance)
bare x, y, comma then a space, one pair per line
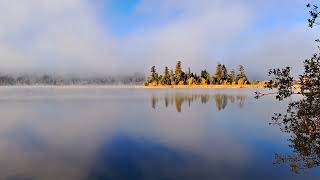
178, 72
218, 73
154, 75
242, 77
160, 78
172, 77
242, 74
232, 76
189, 75
166, 77
178, 69
205, 75
196, 78
212, 80
178, 77
224, 75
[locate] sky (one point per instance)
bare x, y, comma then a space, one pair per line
127, 36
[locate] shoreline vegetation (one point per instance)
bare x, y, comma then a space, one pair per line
136, 86
171, 79
246, 86
221, 78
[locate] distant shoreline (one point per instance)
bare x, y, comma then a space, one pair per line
70, 86
204, 87
139, 86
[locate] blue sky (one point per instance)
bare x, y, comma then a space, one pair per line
110, 36
121, 16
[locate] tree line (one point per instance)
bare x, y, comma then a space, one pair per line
221, 76
46, 79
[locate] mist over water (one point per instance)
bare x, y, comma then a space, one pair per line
72, 106
112, 133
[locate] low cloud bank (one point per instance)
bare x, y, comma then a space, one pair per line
71, 37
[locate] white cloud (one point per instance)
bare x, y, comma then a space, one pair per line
69, 36
281, 48
192, 36
53, 35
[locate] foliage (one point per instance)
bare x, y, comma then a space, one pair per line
166, 77
179, 77
302, 118
154, 77
218, 73
314, 14
205, 76
242, 74
191, 81
178, 73
224, 75
232, 76
242, 82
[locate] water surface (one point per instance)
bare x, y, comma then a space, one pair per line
133, 134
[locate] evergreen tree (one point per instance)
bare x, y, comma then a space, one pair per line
178, 72
160, 78
232, 76
166, 77
178, 77
218, 73
172, 78
196, 78
183, 77
224, 75
189, 74
154, 75
213, 80
178, 69
242, 74
205, 75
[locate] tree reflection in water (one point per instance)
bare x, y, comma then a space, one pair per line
302, 122
178, 99
302, 118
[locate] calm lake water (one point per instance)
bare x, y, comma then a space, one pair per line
148, 134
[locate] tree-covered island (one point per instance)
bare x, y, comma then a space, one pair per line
221, 76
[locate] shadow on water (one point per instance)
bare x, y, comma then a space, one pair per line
129, 158
178, 99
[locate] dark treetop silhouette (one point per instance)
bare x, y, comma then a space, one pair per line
302, 119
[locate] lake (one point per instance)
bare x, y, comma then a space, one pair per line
150, 134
